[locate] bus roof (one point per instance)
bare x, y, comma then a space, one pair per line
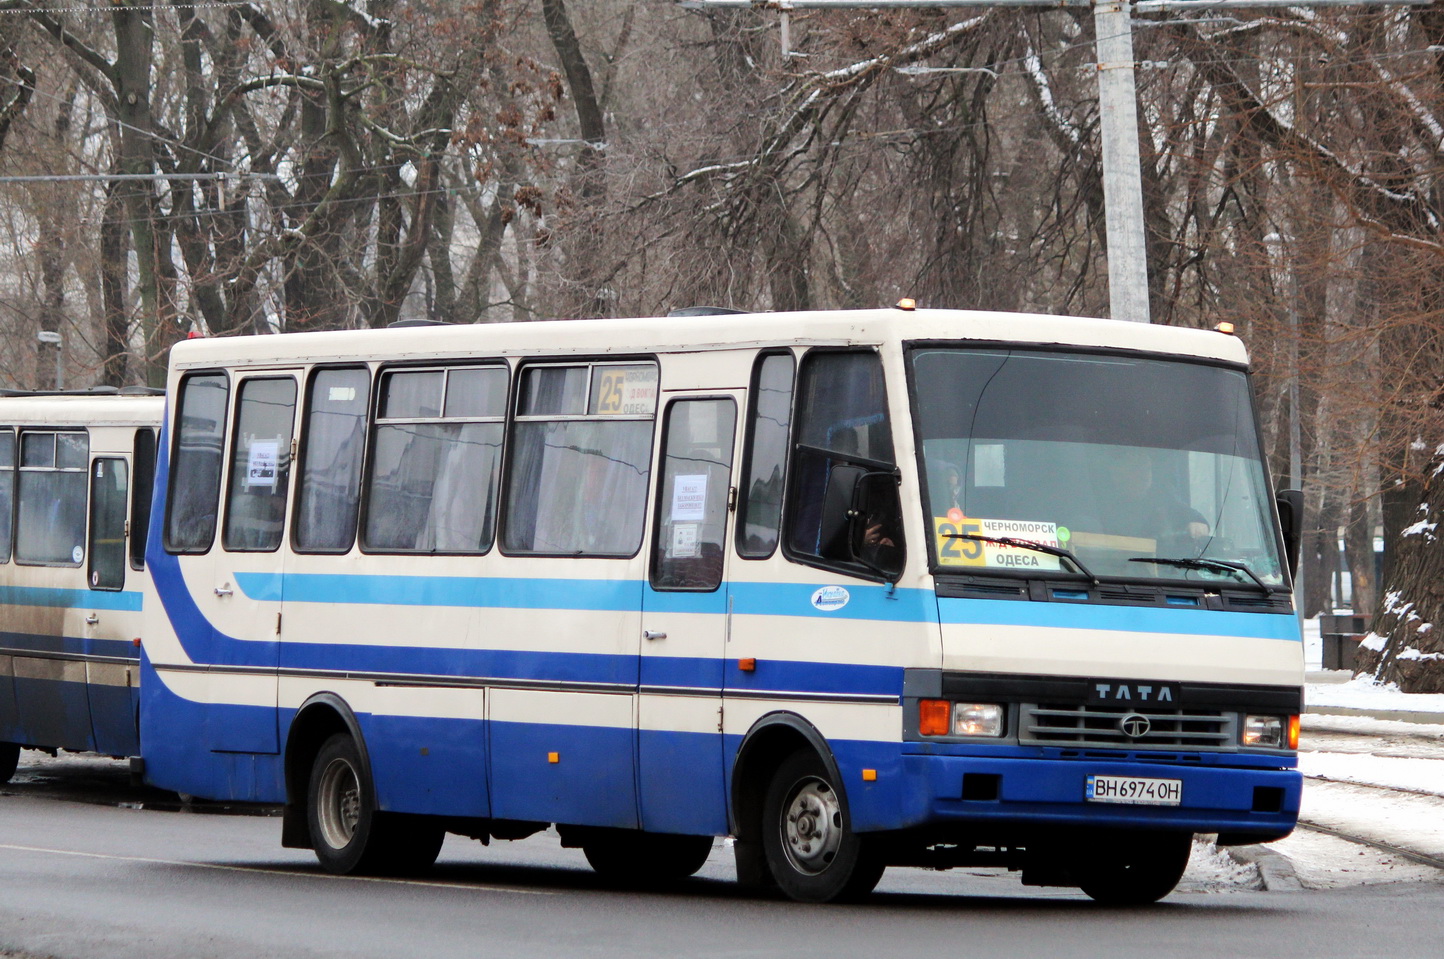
101, 409
697, 333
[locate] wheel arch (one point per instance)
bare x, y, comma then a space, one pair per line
766, 744
320, 717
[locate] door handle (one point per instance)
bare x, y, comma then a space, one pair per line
653, 634
223, 591
92, 619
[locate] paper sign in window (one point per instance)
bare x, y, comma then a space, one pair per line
689, 498
262, 463
684, 541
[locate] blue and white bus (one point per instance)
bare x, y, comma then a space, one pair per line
75, 496
858, 589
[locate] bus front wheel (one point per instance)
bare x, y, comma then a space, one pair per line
1131, 869
811, 850
348, 832
9, 760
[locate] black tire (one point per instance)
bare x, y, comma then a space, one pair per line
349, 834
811, 850
641, 857
1131, 869
9, 760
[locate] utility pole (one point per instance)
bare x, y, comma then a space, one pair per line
1122, 166
1117, 108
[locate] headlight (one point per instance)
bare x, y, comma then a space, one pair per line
939, 717
977, 719
1264, 731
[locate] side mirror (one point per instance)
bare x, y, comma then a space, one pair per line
876, 527
834, 533
1291, 520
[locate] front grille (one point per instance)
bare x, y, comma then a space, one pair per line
1061, 724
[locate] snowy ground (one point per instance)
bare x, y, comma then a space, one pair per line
1373, 759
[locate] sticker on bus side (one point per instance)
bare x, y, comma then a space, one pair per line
830, 598
954, 549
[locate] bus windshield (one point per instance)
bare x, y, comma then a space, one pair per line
1142, 468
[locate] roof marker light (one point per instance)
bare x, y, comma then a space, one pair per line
1225, 328
907, 303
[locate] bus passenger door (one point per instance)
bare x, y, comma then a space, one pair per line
684, 623
242, 598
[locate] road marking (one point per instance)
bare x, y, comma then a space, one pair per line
262, 870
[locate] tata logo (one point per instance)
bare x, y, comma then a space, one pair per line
1135, 726
1151, 694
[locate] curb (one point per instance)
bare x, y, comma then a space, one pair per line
1275, 870
1400, 715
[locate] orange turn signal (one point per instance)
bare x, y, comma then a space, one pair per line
935, 717
748, 665
1293, 732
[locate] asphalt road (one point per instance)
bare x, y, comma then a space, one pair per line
91, 880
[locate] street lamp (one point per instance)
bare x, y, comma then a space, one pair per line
54, 339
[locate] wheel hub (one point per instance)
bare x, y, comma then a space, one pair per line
339, 803
812, 827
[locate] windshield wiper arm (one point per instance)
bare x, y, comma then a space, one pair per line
1029, 544
1218, 565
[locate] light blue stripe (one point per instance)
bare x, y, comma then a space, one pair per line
593, 595
56, 598
1128, 619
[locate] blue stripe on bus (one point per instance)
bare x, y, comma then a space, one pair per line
1130, 619
128, 601
593, 595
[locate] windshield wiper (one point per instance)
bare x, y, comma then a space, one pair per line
1217, 565
1029, 544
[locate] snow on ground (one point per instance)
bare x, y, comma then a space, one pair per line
1324, 862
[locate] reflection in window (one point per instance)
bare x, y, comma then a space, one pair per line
7, 491
581, 460
1121, 459
436, 461
260, 464
50, 526
844, 433
328, 491
108, 488
143, 458
692, 506
759, 510
195, 481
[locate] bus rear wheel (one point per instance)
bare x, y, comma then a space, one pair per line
9, 760
1131, 869
348, 833
811, 850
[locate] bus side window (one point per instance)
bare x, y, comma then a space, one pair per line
195, 465
108, 488
7, 492
692, 504
436, 460
769, 419
50, 525
260, 463
143, 465
333, 438
843, 434
580, 459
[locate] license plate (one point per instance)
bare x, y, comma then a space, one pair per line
1134, 791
